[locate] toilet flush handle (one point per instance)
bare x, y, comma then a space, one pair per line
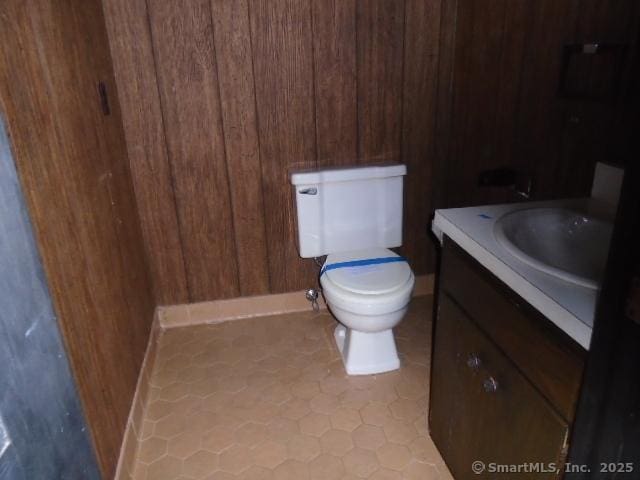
308, 191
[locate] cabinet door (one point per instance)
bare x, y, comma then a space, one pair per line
483, 409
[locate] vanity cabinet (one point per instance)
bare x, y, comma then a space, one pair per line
504, 381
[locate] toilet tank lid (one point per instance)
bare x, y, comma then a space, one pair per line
313, 177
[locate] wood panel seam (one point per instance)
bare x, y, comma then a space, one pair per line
258, 134
403, 85
313, 81
450, 102
224, 147
168, 153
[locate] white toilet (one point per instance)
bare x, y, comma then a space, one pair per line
354, 215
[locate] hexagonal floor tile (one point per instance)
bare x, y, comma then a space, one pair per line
269, 454
201, 464
242, 400
346, 419
235, 459
167, 468
326, 467
152, 449
361, 463
336, 442
314, 424
303, 448
369, 437
393, 456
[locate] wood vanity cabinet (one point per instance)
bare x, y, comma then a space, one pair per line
504, 379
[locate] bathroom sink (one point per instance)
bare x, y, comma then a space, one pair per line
567, 244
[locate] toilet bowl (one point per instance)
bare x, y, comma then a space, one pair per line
354, 216
368, 291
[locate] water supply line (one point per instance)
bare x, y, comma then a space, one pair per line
312, 294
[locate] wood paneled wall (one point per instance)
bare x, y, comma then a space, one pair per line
502, 106
72, 162
223, 99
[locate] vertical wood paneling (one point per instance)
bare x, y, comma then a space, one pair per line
72, 162
422, 34
490, 51
477, 86
590, 130
132, 55
380, 35
507, 110
300, 84
283, 68
334, 53
235, 72
606, 21
183, 44
444, 100
516, 15
540, 116
256, 89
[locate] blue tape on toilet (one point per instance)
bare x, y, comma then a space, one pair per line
362, 263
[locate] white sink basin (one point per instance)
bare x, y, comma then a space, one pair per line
566, 244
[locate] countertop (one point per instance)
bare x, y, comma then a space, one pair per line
568, 306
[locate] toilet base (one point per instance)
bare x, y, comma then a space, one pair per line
367, 353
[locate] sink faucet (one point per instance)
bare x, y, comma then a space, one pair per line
525, 192
508, 178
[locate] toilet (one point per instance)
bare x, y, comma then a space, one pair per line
354, 216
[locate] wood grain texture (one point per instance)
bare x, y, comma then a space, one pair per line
516, 14
478, 80
539, 124
500, 104
422, 33
288, 81
469, 424
449, 88
547, 356
334, 54
283, 68
444, 101
380, 35
72, 162
610, 22
590, 128
185, 54
132, 55
237, 96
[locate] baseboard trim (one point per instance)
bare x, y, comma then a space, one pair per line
133, 430
218, 311
206, 313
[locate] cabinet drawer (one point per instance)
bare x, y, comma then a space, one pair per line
546, 355
469, 421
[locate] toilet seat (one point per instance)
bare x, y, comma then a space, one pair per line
373, 279
390, 284
362, 304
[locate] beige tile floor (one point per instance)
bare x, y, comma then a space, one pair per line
268, 398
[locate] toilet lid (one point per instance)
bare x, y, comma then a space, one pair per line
368, 279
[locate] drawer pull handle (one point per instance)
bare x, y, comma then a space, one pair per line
474, 362
490, 385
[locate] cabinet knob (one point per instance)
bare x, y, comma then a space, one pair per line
490, 385
474, 362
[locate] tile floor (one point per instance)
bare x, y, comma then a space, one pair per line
268, 398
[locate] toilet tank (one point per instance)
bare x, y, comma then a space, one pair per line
344, 209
